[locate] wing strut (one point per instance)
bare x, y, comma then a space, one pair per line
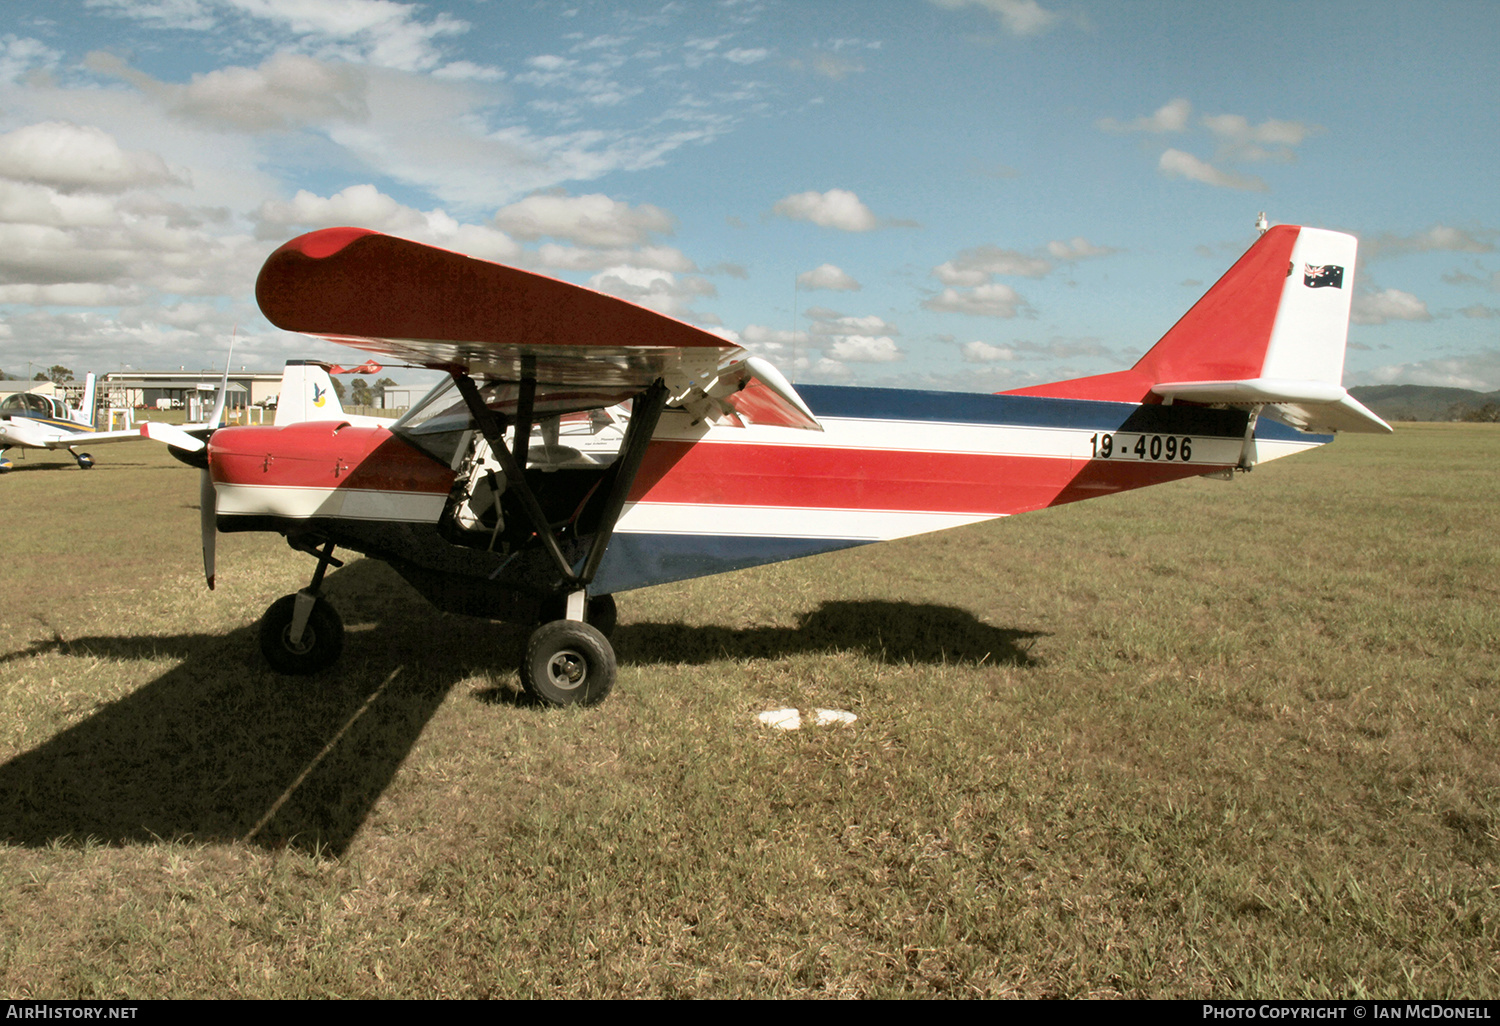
643, 416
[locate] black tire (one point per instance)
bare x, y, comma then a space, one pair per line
85, 461
568, 663
322, 639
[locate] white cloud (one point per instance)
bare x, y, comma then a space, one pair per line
1438, 238
26, 203
1478, 311
1018, 17
830, 370
976, 266
827, 277
992, 300
1269, 140
852, 339
576, 258
661, 291
19, 55
829, 323
1172, 116
593, 220
386, 33
286, 91
745, 56
1078, 248
73, 157
761, 336
865, 349
193, 15
379, 32
836, 208
1378, 307
983, 352
1479, 371
361, 205
1177, 164
788, 350
836, 66
365, 206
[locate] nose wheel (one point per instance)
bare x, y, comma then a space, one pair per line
301, 634
315, 647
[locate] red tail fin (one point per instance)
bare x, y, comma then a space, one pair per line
1269, 337
1223, 337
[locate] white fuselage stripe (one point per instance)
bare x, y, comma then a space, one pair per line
785, 521
348, 503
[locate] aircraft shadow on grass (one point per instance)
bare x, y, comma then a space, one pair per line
220, 748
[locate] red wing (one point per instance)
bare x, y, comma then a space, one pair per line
418, 304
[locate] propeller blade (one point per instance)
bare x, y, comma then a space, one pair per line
207, 515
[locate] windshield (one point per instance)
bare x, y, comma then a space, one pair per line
439, 424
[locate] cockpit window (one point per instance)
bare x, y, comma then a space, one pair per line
27, 404
439, 424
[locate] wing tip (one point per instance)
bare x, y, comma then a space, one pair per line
325, 242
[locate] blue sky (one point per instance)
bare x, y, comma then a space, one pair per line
957, 194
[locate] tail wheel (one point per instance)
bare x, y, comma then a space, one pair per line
568, 663
320, 646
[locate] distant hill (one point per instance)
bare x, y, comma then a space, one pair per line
1425, 402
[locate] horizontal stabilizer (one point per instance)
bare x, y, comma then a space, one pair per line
172, 435
1314, 406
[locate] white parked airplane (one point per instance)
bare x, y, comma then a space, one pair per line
32, 421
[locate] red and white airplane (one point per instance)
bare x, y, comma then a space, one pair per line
521, 489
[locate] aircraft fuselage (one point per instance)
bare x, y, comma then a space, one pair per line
715, 497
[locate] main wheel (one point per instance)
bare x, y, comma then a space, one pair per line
568, 663
320, 646
85, 461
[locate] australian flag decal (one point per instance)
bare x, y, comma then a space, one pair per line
1316, 276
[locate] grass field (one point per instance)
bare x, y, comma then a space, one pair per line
1207, 739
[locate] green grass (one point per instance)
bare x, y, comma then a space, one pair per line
1205, 739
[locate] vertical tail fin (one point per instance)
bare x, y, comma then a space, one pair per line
307, 394
87, 408
1270, 334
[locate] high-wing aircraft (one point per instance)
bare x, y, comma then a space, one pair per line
32, 421
583, 446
